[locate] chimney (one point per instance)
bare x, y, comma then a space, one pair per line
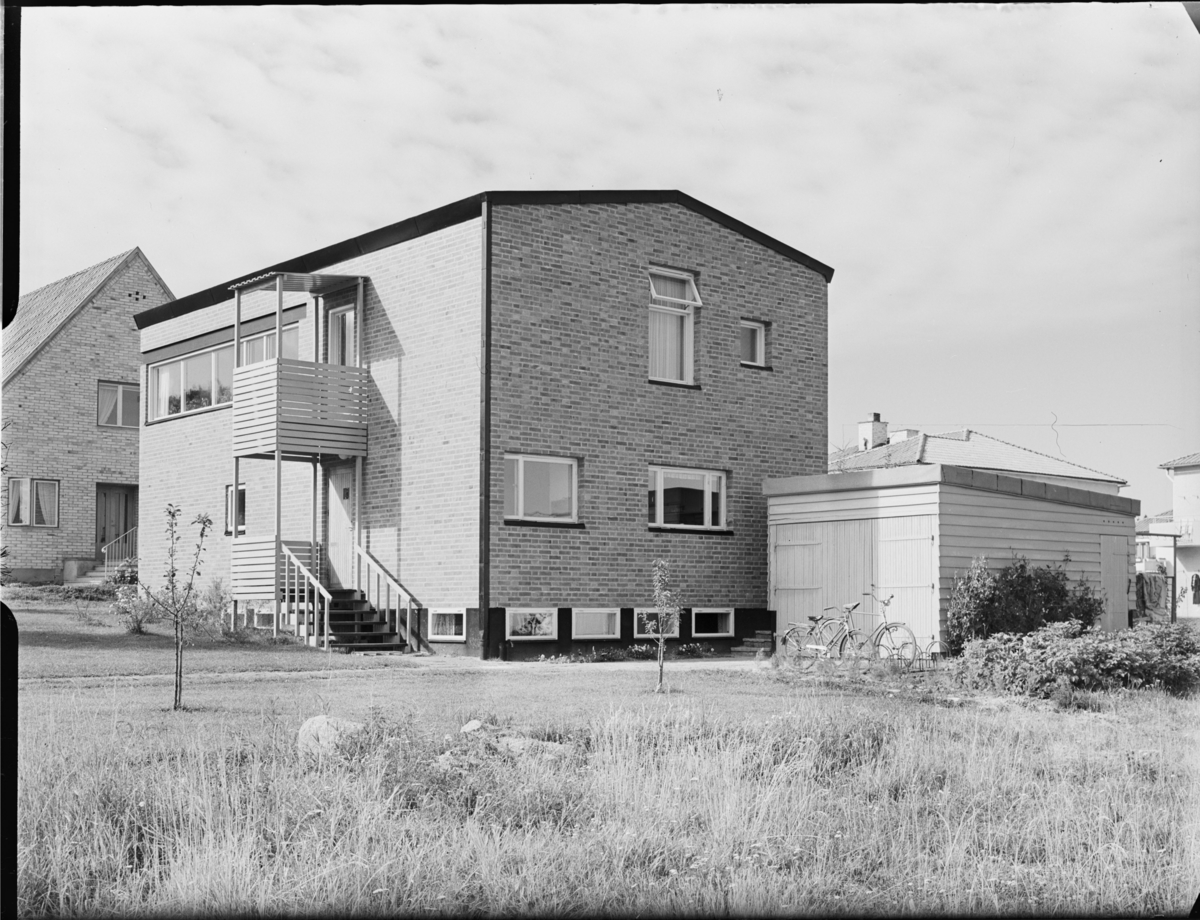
872, 434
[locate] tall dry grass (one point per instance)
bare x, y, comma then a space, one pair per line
838, 807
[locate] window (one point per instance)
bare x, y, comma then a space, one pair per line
673, 299
241, 509
539, 488
447, 625
117, 405
645, 624
686, 498
712, 622
205, 378
754, 343
595, 623
342, 340
532, 623
33, 502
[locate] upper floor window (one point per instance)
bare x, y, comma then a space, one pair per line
257, 348
686, 498
342, 339
117, 404
754, 343
33, 502
673, 299
540, 488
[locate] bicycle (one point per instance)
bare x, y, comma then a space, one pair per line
824, 638
890, 641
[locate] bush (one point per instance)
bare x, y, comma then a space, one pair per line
1018, 599
126, 573
133, 609
1066, 657
695, 650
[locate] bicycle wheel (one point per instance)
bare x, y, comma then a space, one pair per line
794, 642
898, 644
855, 652
936, 653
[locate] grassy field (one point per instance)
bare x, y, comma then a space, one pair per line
742, 790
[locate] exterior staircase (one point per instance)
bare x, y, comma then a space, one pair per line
763, 641
356, 626
93, 576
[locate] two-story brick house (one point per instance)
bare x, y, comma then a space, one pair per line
513, 404
70, 410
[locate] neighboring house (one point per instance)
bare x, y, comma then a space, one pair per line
907, 515
70, 407
500, 412
1174, 536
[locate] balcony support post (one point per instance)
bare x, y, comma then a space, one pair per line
232, 518
278, 451
358, 465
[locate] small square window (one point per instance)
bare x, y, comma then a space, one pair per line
712, 622
645, 624
532, 623
540, 488
241, 510
447, 625
117, 405
595, 623
686, 498
754, 343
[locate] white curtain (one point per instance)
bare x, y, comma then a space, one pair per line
45, 510
106, 412
593, 623
18, 501
676, 288
666, 345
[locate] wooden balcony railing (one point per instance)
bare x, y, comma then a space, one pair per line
302, 407
257, 572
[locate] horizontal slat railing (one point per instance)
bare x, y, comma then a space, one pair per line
256, 572
120, 549
301, 406
384, 584
305, 596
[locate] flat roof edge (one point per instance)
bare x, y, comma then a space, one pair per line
938, 473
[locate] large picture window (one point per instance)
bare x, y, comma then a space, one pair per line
687, 499
117, 405
540, 488
673, 299
32, 502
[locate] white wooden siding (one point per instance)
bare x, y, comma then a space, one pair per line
853, 504
998, 525
255, 571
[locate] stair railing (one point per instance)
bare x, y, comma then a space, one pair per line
120, 549
385, 584
296, 577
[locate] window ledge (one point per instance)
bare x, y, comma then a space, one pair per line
531, 639
561, 525
757, 367
712, 532
190, 414
672, 383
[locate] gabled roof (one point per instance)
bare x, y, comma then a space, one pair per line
42, 313
965, 448
1187, 460
460, 212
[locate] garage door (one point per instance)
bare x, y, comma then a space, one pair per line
830, 563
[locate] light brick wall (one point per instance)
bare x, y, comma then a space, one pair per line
570, 293
53, 434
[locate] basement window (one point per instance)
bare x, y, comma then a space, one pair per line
712, 622
447, 625
645, 624
595, 623
532, 623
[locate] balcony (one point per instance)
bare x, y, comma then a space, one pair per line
258, 570
305, 409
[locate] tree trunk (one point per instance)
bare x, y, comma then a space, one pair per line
178, 663
661, 646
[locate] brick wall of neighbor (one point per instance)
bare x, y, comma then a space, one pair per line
570, 293
421, 482
187, 460
52, 406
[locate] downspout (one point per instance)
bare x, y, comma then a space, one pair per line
485, 427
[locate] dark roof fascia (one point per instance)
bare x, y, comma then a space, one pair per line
460, 212
9, 374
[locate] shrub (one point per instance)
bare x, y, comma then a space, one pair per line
695, 650
126, 573
1019, 599
1064, 657
643, 652
133, 610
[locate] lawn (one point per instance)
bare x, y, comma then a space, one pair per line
742, 790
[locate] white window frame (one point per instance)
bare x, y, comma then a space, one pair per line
552, 612
709, 476
520, 515
247, 339
760, 359
728, 634
460, 612
615, 612
332, 340
120, 388
30, 488
182, 360
639, 633
231, 512
675, 306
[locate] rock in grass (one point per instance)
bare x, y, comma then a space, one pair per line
473, 726
319, 736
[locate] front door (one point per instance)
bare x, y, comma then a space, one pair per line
1114, 580
116, 514
341, 527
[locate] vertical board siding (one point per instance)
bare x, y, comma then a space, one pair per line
906, 568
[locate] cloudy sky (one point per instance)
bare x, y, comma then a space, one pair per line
1010, 195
